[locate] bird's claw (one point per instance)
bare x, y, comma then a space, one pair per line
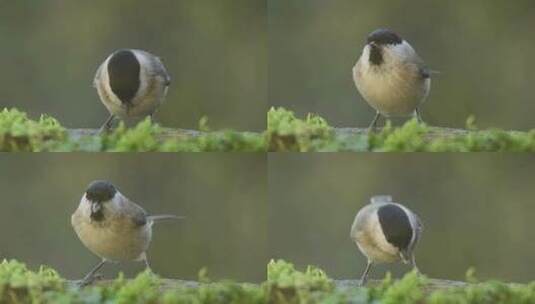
89, 281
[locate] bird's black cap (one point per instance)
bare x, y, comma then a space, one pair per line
396, 225
123, 71
384, 37
100, 191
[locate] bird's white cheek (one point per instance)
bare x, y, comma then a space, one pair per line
108, 98
117, 203
364, 58
85, 208
373, 243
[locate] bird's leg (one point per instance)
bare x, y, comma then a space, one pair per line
146, 262
153, 118
371, 128
107, 124
413, 263
88, 279
364, 277
418, 116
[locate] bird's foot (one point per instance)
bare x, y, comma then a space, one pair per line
89, 281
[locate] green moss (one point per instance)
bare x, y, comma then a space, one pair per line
20, 133
407, 290
19, 285
285, 284
313, 286
225, 292
489, 292
286, 132
216, 292
227, 140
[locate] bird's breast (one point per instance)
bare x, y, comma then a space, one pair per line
113, 239
393, 90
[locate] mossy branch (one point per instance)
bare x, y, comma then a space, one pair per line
164, 134
286, 132
341, 285
20, 133
431, 284
432, 132
285, 284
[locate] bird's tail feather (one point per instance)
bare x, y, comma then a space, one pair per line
164, 217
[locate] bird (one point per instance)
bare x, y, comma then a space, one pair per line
386, 232
391, 77
113, 227
131, 84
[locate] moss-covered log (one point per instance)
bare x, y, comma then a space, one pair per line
286, 132
165, 133
20, 133
284, 284
432, 132
341, 285
430, 284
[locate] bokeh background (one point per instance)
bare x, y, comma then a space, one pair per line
477, 210
214, 50
223, 197
483, 49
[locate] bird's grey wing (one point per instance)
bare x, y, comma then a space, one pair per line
135, 213
407, 253
139, 219
423, 70
419, 221
425, 73
156, 66
418, 231
159, 69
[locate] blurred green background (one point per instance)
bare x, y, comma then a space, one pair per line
214, 50
483, 49
477, 210
223, 197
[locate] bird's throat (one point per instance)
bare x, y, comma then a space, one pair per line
97, 213
376, 55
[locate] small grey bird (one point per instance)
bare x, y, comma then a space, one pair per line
113, 227
131, 84
386, 232
391, 77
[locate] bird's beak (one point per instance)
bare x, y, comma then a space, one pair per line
95, 207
